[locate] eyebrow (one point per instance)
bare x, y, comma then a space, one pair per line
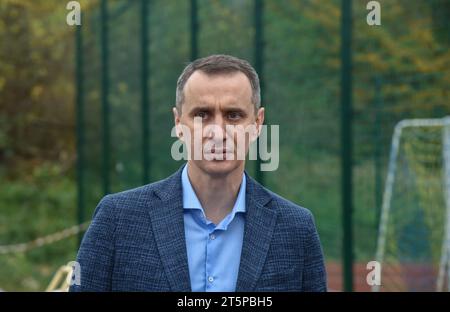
235, 109
200, 109
210, 109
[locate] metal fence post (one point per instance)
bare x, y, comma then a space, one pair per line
346, 143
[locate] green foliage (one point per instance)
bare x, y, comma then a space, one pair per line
38, 205
36, 85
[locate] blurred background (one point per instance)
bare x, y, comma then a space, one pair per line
86, 111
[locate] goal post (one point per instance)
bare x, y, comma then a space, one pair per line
413, 244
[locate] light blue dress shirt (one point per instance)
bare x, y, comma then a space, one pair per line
214, 251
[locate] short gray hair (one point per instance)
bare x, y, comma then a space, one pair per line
215, 65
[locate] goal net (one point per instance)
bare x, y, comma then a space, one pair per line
413, 246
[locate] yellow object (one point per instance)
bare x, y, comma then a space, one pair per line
62, 278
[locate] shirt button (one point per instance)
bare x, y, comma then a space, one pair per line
212, 237
210, 279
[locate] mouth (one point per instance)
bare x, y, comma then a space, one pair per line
214, 151
222, 154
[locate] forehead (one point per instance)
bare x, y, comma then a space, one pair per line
220, 88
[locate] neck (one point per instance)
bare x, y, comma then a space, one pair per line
217, 194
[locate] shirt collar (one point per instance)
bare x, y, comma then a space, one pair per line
190, 199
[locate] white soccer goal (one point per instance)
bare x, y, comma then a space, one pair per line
413, 245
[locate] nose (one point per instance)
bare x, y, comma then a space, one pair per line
219, 121
218, 124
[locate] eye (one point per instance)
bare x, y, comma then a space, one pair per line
201, 114
234, 115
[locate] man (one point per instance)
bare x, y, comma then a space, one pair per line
209, 226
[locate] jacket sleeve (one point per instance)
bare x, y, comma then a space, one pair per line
314, 274
96, 253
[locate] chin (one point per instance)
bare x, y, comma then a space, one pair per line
219, 167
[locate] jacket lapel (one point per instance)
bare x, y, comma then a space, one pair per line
168, 229
259, 227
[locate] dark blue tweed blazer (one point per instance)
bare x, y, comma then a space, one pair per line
136, 242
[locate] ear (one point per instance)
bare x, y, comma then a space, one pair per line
176, 116
177, 121
260, 119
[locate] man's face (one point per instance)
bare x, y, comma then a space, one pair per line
211, 103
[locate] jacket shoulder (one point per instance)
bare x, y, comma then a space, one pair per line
161, 188
132, 201
292, 213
